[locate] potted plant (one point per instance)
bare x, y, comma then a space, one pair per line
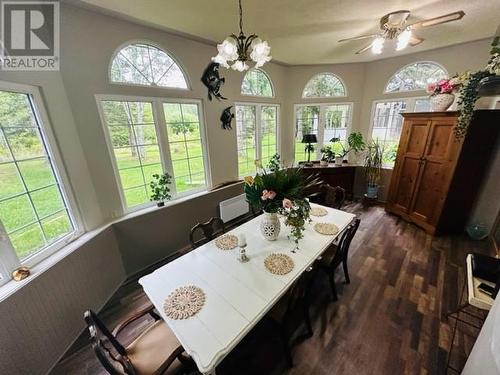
355, 143
373, 168
441, 93
280, 191
160, 189
327, 155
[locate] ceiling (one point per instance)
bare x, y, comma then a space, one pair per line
306, 31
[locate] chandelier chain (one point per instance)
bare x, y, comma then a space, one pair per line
241, 17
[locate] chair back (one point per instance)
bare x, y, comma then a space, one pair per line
345, 243
333, 196
207, 232
299, 292
108, 350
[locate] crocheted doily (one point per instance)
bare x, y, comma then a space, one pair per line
326, 228
184, 302
318, 211
226, 242
279, 264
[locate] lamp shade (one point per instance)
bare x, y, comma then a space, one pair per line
309, 138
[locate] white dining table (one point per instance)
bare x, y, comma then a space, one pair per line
237, 295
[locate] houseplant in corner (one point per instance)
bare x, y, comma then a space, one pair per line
373, 168
282, 191
160, 191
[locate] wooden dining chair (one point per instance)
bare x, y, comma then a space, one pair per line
294, 304
333, 196
155, 351
208, 232
337, 254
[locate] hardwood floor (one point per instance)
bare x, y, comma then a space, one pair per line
388, 320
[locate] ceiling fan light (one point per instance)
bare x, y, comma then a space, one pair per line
403, 40
378, 45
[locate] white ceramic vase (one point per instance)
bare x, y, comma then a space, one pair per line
339, 160
270, 226
441, 102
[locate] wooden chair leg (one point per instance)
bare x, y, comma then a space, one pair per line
286, 347
331, 276
307, 319
346, 272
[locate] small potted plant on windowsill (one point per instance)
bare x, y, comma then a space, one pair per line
327, 155
160, 189
355, 143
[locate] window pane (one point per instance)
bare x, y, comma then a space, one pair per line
29, 190
269, 125
324, 85
307, 122
337, 121
387, 124
257, 83
143, 64
135, 146
245, 135
416, 77
56, 225
186, 148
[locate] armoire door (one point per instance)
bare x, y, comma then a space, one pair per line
406, 170
436, 168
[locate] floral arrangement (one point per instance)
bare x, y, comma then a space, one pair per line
444, 86
283, 191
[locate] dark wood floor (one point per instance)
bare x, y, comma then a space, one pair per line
389, 320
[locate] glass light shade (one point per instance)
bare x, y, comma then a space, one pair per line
221, 60
240, 66
378, 45
403, 40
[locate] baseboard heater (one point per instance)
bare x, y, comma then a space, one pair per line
232, 208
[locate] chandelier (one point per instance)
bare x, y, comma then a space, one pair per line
236, 50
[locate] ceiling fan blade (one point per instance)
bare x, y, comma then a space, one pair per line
359, 37
364, 49
415, 40
455, 16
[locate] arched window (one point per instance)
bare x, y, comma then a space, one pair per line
415, 76
257, 83
144, 64
324, 85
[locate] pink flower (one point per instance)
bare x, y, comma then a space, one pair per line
442, 82
431, 88
287, 203
267, 195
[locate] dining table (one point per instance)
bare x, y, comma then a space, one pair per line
237, 295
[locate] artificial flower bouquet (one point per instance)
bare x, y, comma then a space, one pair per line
444, 86
283, 191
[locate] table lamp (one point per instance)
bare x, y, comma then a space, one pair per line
309, 139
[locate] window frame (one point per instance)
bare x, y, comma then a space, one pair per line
258, 129
346, 94
61, 177
321, 124
161, 48
259, 96
385, 92
410, 105
163, 143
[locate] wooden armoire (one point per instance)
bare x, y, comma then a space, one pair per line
436, 178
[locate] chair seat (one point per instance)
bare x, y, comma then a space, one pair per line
148, 351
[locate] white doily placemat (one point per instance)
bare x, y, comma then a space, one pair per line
318, 211
184, 302
226, 242
279, 264
326, 228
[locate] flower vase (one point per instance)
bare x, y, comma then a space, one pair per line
441, 102
270, 226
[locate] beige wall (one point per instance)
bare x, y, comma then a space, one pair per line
42, 318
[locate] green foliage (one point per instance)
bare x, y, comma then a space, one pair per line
296, 218
373, 162
274, 164
324, 85
256, 83
355, 143
327, 153
160, 187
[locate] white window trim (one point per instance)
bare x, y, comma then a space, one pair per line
163, 144
321, 124
273, 96
385, 92
410, 105
60, 176
258, 130
346, 94
161, 48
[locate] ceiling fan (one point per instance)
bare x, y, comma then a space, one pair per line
395, 25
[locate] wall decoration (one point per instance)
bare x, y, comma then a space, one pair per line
226, 118
212, 79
